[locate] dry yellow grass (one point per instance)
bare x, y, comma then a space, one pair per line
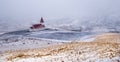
108, 37
104, 46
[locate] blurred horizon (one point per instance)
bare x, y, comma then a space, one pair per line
16, 15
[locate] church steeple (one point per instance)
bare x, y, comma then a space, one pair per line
41, 20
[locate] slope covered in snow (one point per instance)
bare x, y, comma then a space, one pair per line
19, 43
48, 34
102, 49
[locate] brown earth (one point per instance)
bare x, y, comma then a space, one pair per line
104, 47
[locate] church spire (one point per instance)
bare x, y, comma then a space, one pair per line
41, 20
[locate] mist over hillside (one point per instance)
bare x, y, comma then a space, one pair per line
92, 23
90, 15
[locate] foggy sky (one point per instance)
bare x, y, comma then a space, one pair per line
29, 11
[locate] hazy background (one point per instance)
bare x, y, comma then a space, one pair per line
20, 14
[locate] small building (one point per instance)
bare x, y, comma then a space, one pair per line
38, 26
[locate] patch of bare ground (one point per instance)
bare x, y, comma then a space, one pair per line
108, 37
106, 47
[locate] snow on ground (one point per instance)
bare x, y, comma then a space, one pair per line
14, 40
24, 40
47, 34
2, 32
27, 40
108, 50
25, 43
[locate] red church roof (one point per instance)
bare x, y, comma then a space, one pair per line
38, 26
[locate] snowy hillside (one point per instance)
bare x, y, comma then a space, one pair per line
24, 39
48, 34
59, 31
104, 48
19, 43
92, 24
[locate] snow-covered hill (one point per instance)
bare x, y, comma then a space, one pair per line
105, 48
24, 39
48, 34
18, 43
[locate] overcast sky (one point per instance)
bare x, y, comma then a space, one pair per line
31, 10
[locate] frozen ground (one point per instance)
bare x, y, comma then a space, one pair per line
23, 39
105, 48
48, 34
25, 43
27, 40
